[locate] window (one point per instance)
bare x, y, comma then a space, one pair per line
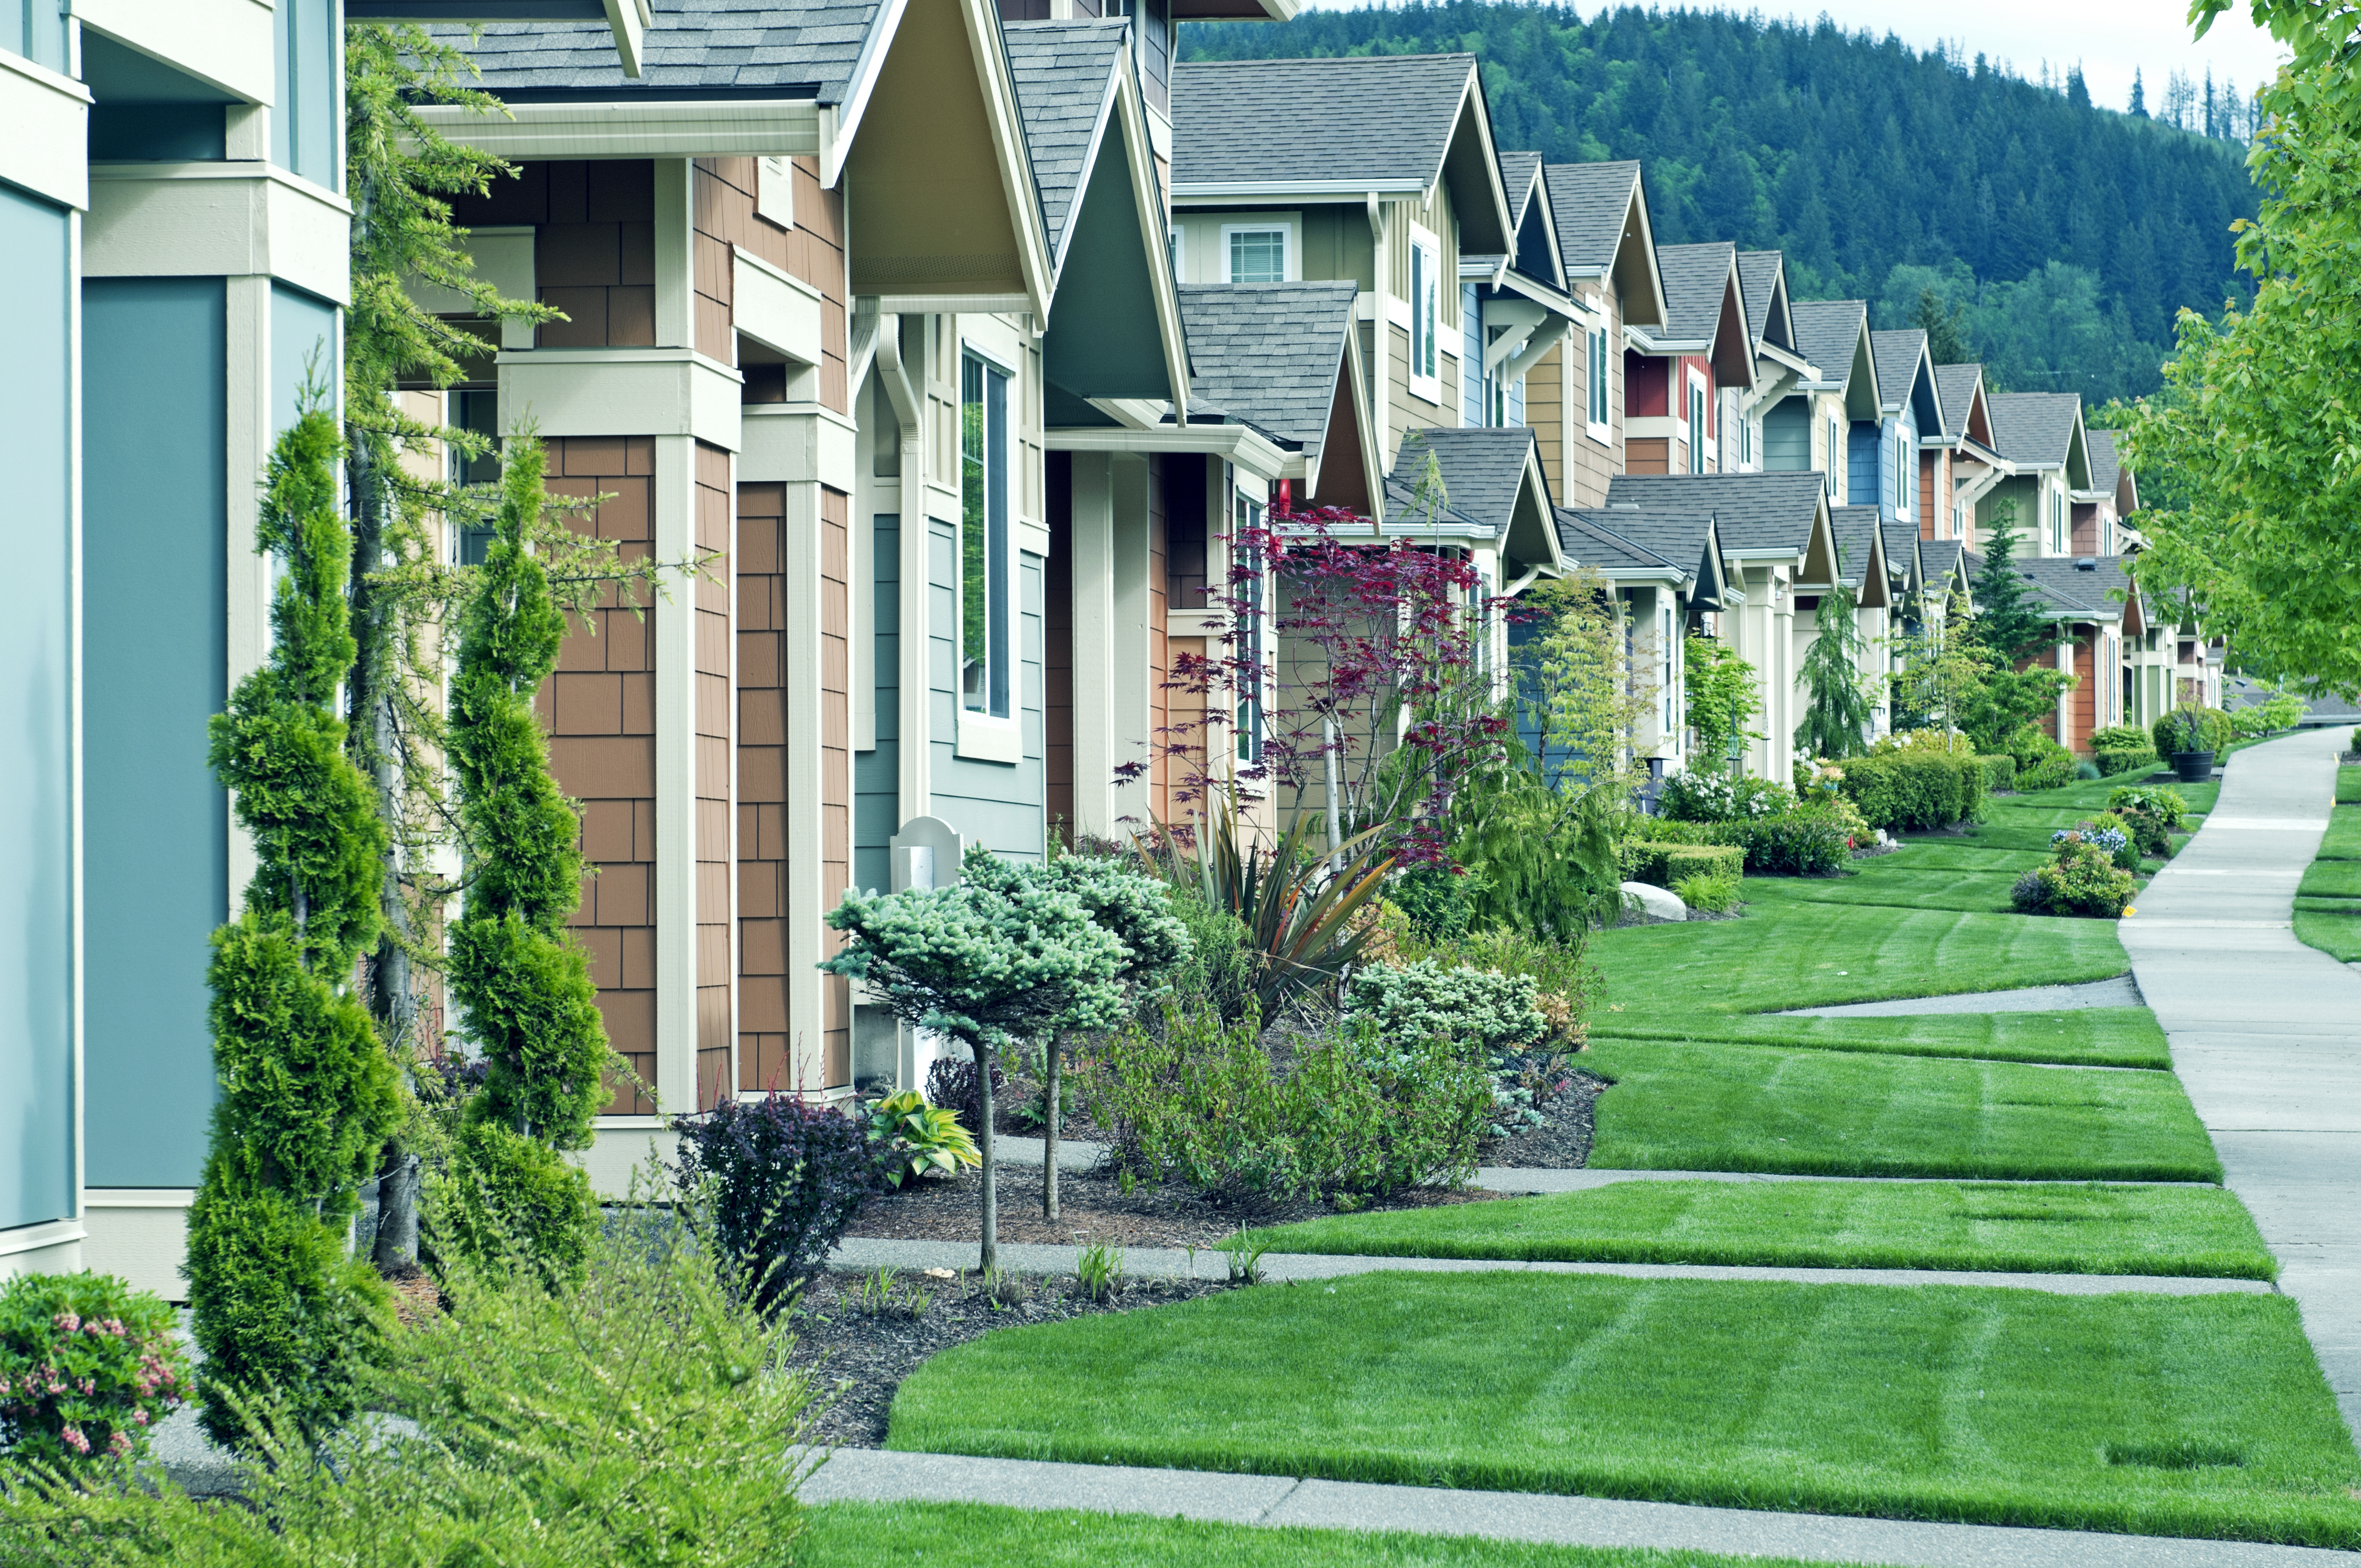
1173, 253
1248, 514
1253, 254
1902, 475
1425, 316
1597, 355
984, 538
1696, 423
1836, 458
1745, 443
1665, 667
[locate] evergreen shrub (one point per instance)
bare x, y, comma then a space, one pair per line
87, 1366
2122, 738
1480, 1010
2190, 728
2000, 771
783, 1177
1807, 842
1660, 865
2113, 761
2041, 762
1914, 788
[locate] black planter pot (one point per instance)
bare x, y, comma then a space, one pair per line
2193, 767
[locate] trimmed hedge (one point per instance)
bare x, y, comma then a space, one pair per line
1793, 843
1914, 789
2000, 771
1661, 865
2112, 761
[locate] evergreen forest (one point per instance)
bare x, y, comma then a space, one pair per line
2059, 236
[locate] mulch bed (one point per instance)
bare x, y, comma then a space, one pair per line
860, 1357
1563, 1142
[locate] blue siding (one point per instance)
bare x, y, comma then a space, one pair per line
1471, 355
877, 775
302, 346
997, 805
306, 121
1516, 399
37, 914
1862, 464
1900, 467
155, 851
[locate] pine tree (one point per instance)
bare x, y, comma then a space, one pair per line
307, 1096
2139, 95
1947, 332
1837, 710
524, 983
2009, 619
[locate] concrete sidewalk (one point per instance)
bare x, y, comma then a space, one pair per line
864, 1254
859, 1475
2266, 1032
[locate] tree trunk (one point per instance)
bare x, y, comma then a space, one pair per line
1331, 769
1050, 1136
397, 1213
989, 1258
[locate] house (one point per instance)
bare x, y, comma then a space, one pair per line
1514, 309
1675, 372
1865, 568
2039, 438
1812, 428
1909, 404
1957, 463
2102, 630
1666, 570
1610, 256
2098, 526
1778, 550
1779, 365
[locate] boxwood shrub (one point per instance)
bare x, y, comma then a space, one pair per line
1661, 865
2126, 760
2041, 762
1914, 788
1792, 843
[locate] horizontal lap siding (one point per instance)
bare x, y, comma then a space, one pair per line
1057, 646
600, 707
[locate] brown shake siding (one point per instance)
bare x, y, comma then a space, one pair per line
1648, 455
600, 709
813, 251
714, 1076
764, 1061
835, 772
1927, 489
594, 253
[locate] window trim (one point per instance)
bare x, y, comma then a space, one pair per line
984, 733
1250, 714
1425, 298
1839, 461
1599, 388
1288, 260
1698, 411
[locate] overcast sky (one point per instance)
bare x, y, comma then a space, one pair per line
2109, 38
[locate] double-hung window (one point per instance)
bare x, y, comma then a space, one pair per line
984, 628
1595, 352
1696, 423
1836, 461
1426, 316
1253, 254
1902, 474
1248, 719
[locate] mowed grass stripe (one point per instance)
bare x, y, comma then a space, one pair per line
2047, 1229
1714, 1105
2093, 1037
2198, 1415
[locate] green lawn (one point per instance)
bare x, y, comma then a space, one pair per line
2331, 879
2348, 786
2199, 1415
1899, 880
1717, 1106
2098, 1036
2336, 932
974, 1535
1948, 853
2040, 1229
2328, 902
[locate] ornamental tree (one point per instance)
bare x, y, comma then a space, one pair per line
307, 1096
522, 979
1837, 710
992, 961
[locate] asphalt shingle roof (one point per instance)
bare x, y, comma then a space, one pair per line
1901, 547
1955, 386
717, 48
1758, 271
2106, 468
1482, 468
1827, 332
1938, 558
1516, 180
1595, 538
2072, 591
1278, 122
1061, 72
1751, 512
1896, 354
1266, 354
1854, 527
2035, 428
1695, 278
1591, 201
1404, 511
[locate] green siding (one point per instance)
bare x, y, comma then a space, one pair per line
155, 849
37, 1115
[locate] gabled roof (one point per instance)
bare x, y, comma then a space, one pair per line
2036, 430
1905, 374
695, 48
1268, 355
1762, 274
1603, 229
2109, 474
1341, 128
1065, 76
1757, 516
1492, 476
2075, 593
1965, 413
1519, 170
1945, 562
1536, 252
1901, 557
1705, 304
1686, 542
1861, 553
1833, 336
1588, 541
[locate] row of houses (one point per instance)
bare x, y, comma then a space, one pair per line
961, 337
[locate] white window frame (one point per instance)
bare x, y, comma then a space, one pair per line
1599, 386
1904, 471
1424, 289
774, 190
1697, 411
1840, 463
982, 734
1288, 263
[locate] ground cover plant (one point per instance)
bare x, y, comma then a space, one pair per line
2089, 1036
859, 1535
1686, 1106
2049, 1228
2202, 1416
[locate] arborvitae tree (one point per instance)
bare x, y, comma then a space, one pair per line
1837, 710
523, 982
307, 1096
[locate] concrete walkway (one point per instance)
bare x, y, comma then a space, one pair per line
2266, 1032
862, 1255
2119, 992
859, 1475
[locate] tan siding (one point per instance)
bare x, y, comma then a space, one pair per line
1648, 455
600, 710
1546, 412
714, 1073
1057, 647
1159, 661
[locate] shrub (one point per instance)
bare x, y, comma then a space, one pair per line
2085, 881
2151, 815
1914, 788
1192, 1100
1477, 1009
1222, 962
1847, 817
2122, 738
1695, 796
2108, 835
2282, 710
1796, 844
2000, 771
87, 1366
1660, 865
1441, 901
1562, 975
2188, 728
782, 1177
2041, 762
1715, 894
950, 1084
909, 1138
2113, 760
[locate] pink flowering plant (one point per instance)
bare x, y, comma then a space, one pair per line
88, 1366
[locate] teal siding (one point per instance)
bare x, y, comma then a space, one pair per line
997, 805
302, 346
877, 775
155, 852
37, 914
306, 121
1787, 436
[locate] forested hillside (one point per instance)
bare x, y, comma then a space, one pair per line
2064, 236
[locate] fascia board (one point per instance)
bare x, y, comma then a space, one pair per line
1373, 472
47, 149
1242, 445
858, 88
226, 44
1471, 100
1540, 293
1106, 109
767, 128
1213, 192
1014, 159
1123, 103
1637, 209
1778, 356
